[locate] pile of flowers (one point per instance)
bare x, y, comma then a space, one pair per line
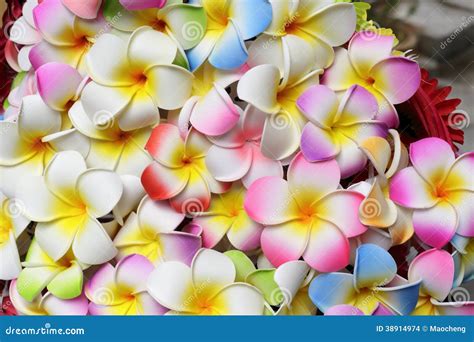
226, 157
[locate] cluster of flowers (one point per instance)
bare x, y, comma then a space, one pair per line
162, 157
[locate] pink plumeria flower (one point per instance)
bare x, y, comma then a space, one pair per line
121, 290
303, 216
63, 277
47, 304
85, 9
440, 189
67, 38
179, 172
369, 63
151, 233
12, 224
336, 128
210, 108
208, 287
24, 33
67, 202
275, 96
305, 29
236, 155
435, 269
30, 144
141, 79
226, 217
350, 310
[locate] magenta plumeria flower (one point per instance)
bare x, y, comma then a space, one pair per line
370, 63
435, 269
237, 154
337, 128
303, 215
439, 187
121, 290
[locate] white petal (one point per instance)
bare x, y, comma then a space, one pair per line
212, 267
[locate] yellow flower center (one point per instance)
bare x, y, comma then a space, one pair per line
6, 225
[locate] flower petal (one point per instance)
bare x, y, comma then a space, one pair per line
460, 175
341, 75
245, 233
343, 310
240, 299
328, 248
356, 106
409, 189
436, 226
374, 267
87, 9
68, 283
194, 198
365, 51
132, 272
229, 52
401, 299
327, 290
261, 167
229, 164
276, 126
318, 144
163, 183
319, 104
158, 216
435, 268
212, 267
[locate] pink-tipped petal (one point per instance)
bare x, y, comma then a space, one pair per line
367, 49
357, 105
86, 9
132, 272
162, 183
319, 104
166, 146
409, 189
318, 144
435, 226
261, 167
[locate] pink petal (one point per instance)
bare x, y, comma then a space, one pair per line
285, 242
304, 183
350, 159
432, 158
261, 167
357, 105
436, 270
343, 310
319, 104
409, 189
179, 246
435, 226
58, 31
162, 183
328, 249
269, 201
134, 5
132, 272
398, 78
318, 144
57, 84
253, 123
215, 113
86, 9
365, 51
245, 234
329, 209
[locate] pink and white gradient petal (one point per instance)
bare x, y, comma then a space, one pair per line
319, 104
365, 52
409, 189
318, 144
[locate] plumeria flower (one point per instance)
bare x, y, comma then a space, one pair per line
63, 277
265, 89
151, 233
179, 172
440, 189
210, 108
47, 304
112, 148
66, 203
369, 62
30, 143
302, 216
23, 85
230, 24
208, 287
350, 310
24, 33
378, 210
12, 225
85, 9
140, 79
121, 290
226, 216
374, 283
236, 155
336, 128
65, 39
435, 269
184, 23
305, 27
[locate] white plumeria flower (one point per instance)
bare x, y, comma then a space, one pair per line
29, 144
12, 224
66, 202
208, 287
